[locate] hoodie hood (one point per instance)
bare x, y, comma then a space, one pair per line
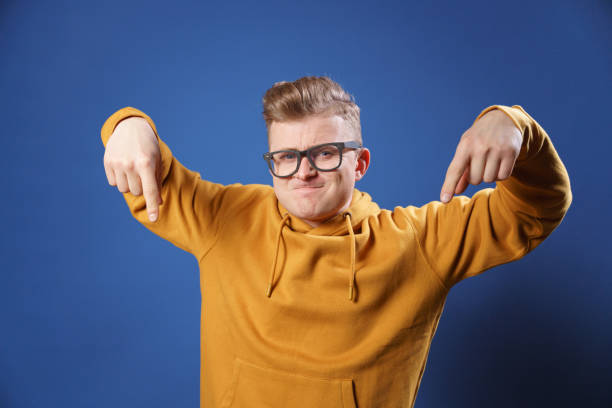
345, 223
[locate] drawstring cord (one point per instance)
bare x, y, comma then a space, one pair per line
273, 271
347, 217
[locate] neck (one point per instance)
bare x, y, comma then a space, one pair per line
316, 223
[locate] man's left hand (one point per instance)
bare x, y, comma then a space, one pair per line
486, 152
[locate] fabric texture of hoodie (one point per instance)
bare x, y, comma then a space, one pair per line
342, 314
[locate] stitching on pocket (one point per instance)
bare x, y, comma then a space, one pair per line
283, 373
292, 386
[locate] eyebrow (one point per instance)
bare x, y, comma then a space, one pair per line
295, 148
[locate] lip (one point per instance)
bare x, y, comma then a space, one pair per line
306, 188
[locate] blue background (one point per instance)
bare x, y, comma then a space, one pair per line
96, 311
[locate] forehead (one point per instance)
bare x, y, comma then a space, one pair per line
309, 131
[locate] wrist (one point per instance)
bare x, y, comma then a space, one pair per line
138, 123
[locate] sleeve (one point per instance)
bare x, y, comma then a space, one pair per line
467, 236
192, 210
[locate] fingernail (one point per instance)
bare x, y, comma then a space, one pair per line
152, 217
445, 197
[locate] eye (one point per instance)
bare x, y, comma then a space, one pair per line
286, 156
325, 152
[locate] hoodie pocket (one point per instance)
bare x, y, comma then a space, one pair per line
255, 386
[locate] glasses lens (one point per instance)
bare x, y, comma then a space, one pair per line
326, 157
284, 163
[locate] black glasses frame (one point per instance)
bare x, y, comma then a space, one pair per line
306, 153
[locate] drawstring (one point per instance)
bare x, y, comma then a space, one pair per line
278, 236
347, 217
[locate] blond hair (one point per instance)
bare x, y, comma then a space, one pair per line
307, 96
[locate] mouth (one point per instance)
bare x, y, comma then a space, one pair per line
306, 188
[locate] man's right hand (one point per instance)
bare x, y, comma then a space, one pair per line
132, 162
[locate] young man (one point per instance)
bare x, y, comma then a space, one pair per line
313, 296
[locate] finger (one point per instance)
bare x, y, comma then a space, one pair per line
477, 165
151, 192
134, 183
122, 183
505, 169
110, 174
158, 179
453, 174
463, 182
491, 169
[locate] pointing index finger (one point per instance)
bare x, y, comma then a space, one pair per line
453, 175
150, 190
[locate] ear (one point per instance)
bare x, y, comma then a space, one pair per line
362, 163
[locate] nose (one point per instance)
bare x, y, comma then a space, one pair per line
305, 170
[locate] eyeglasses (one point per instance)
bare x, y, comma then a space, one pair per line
323, 157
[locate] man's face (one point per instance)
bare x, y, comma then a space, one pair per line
311, 195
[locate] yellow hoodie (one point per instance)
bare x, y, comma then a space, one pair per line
343, 314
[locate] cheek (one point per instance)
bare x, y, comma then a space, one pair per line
280, 186
338, 187
342, 179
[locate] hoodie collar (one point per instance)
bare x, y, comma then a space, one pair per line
342, 224
360, 208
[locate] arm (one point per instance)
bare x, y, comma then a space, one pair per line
466, 236
190, 210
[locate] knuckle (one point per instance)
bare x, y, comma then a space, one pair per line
119, 163
151, 200
461, 147
111, 162
149, 191
128, 164
124, 164
468, 138
452, 175
480, 148
144, 162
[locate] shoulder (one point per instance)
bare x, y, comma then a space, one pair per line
247, 197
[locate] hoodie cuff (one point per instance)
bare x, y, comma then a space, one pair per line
111, 123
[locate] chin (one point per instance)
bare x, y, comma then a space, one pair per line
307, 210
308, 213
